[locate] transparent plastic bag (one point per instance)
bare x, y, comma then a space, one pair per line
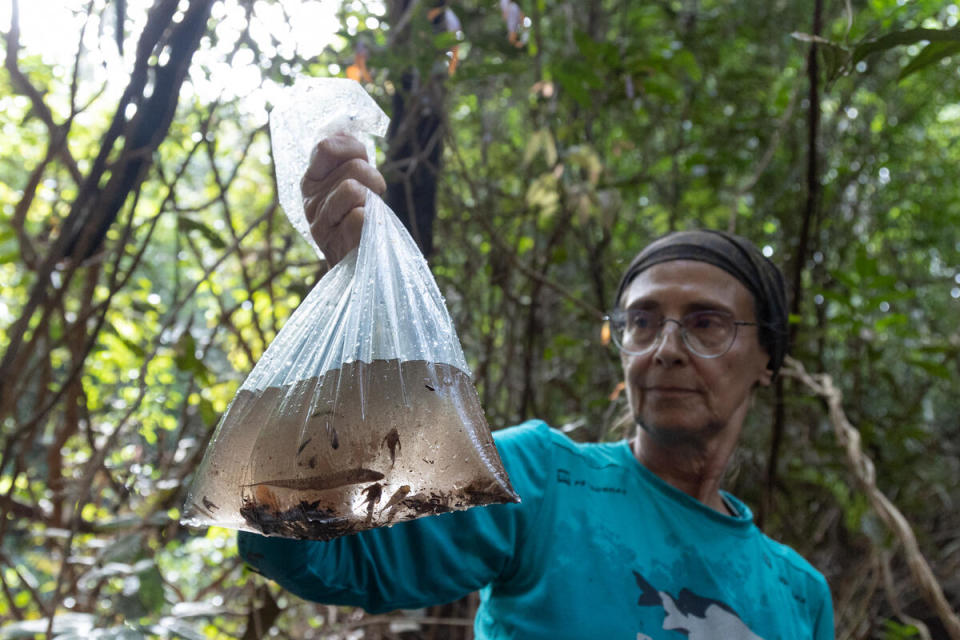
361, 413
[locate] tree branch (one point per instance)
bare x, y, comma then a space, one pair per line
848, 437
23, 86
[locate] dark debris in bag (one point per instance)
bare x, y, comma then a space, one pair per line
306, 521
309, 520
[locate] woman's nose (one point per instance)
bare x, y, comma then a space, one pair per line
670, 349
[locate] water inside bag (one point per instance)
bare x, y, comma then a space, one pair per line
363, 446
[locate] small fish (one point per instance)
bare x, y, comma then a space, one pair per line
397, 496
327, 412
334, 439
324, 482
373, 493
392, 442
209, 504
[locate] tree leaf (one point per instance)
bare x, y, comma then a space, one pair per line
124, 549
933, 368
575, 83
208, 413
931, 54
186, 224
836, 57
151, 590
185, 358
898, 38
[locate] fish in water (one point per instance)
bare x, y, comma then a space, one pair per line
324, 482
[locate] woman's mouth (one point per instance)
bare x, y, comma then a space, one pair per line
668, 390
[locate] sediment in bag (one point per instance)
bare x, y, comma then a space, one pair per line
360, 447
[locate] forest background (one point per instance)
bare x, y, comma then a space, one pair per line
145, 266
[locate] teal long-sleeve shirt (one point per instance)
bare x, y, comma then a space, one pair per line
598, 548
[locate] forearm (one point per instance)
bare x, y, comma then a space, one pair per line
427, 561
412, 564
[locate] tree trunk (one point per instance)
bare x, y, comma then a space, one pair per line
415, 136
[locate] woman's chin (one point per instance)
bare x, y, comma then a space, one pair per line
678, 427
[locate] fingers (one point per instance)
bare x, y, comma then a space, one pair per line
346, 237
334, 190
347, 195
355, 169
332, 152
335, 159
338, 219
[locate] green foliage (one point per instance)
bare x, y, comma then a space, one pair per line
895, 631
614, 123
940, 44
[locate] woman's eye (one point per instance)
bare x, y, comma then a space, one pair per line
641, 320
708, 322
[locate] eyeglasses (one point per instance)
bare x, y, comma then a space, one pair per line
707, 334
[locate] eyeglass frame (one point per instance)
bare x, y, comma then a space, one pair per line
610, 321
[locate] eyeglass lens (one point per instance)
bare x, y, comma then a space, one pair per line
707, 333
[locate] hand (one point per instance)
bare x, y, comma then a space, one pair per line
334, 190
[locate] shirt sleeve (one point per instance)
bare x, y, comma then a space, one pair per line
413, 564
824, 623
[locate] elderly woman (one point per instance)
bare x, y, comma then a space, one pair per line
630, 539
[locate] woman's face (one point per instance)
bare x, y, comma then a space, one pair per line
672, 391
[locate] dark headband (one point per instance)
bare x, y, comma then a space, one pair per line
741, 259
